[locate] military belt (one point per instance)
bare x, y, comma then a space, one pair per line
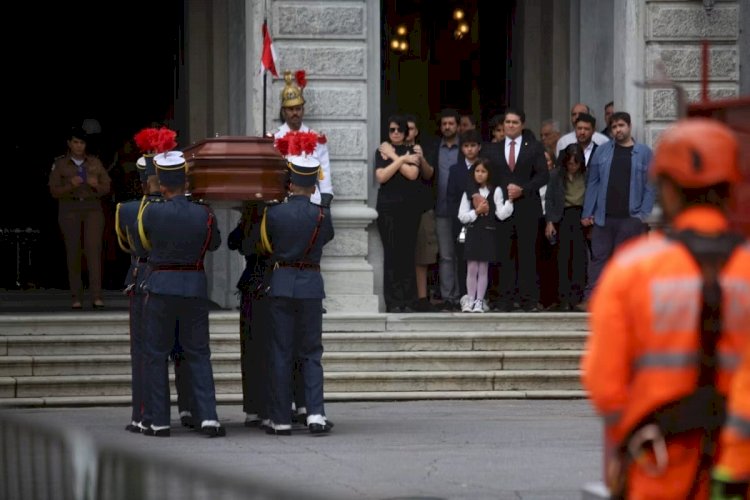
300, 265
177, 267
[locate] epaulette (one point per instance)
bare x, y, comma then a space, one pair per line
199, 201
59, 157
156, 199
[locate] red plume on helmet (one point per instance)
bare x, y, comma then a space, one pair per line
301, 78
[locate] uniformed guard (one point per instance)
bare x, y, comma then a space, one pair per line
292, 113
255, 324
177, 232
126, 227
297, 230
78, 181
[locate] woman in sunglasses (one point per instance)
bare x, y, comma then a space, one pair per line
396, 171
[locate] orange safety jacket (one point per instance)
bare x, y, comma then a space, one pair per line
734, 456
643, 349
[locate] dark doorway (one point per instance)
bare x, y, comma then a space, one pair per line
442, 66
113, 62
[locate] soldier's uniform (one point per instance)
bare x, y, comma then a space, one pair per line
291, 96
177, 233
126, 227
80, 207
297, 231
255, 324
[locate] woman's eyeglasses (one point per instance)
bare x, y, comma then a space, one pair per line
394, 130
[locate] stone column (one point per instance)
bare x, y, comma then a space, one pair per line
329, 40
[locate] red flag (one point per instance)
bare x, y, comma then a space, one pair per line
268, 58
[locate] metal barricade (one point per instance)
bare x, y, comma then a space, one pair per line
39, 460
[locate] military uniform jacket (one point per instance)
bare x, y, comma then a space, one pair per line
64, 169
320, 153
290, 226
126, 216
178, 232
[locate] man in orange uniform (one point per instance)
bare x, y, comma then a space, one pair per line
669, 323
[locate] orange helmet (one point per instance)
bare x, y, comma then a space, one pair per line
697, 152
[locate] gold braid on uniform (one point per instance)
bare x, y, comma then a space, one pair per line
318, 172
122, 240
265, 242
141, 232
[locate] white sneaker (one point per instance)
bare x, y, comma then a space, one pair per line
467, 306
478, 306
464, 300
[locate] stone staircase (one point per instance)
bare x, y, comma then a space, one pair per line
81, 358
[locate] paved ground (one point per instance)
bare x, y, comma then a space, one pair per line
499, 449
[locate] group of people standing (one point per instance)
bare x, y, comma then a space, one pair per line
495, 205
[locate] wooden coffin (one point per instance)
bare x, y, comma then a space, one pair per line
236, 168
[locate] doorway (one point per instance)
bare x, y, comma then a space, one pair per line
446, 54
119, 69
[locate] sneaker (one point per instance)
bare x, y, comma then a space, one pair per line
467, 305
478, 306
465, 300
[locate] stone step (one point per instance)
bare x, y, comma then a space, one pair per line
227, 322
86, 386
59, 345
55, 300
119, 364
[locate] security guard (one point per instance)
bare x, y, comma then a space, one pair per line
669, 323
297, 230
79, 180
255, 324
177, 233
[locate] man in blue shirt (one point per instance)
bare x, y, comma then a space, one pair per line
619, 197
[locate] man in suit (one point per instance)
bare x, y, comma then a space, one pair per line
297, 231
177, 231
521, 169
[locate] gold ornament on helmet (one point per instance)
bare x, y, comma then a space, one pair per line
291, 94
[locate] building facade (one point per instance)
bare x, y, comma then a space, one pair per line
563, 51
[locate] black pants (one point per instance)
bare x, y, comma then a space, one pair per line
398, 232
571, 257
525, 229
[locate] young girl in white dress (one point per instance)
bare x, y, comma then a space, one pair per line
481, 232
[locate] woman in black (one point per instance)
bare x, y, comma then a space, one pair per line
563, 208
398, 216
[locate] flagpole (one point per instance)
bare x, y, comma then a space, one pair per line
265, 75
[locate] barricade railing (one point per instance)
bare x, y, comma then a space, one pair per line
39, 460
